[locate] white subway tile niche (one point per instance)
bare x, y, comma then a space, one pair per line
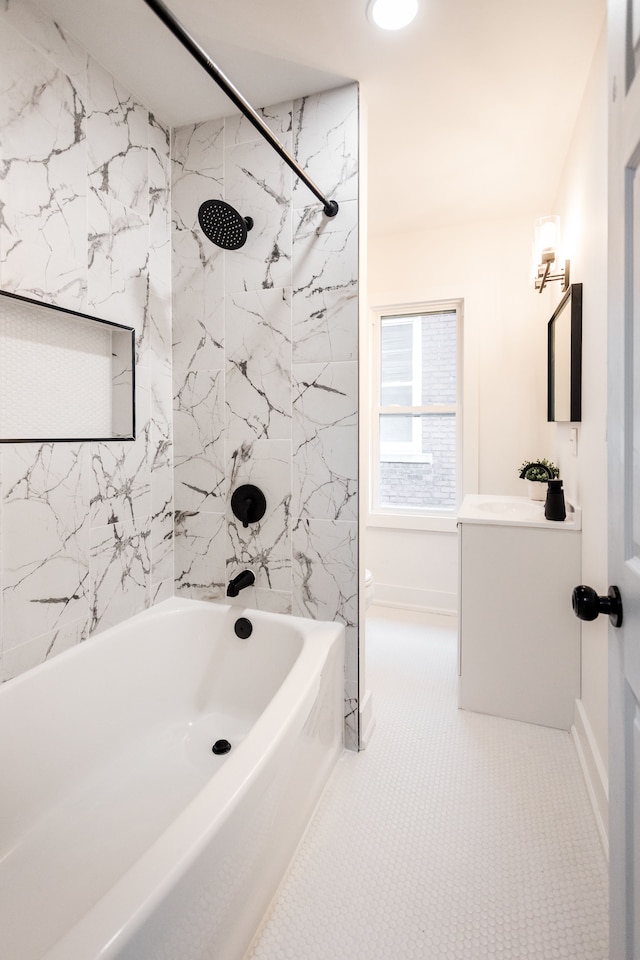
63, 375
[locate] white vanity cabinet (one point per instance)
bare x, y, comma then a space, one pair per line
519, 641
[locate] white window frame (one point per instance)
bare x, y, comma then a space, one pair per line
404, 516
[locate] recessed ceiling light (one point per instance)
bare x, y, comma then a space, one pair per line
392, 14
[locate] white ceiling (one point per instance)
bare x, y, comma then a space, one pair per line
469, 111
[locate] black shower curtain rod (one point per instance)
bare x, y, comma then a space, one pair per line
196, 51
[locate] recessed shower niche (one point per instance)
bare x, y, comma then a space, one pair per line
63, 375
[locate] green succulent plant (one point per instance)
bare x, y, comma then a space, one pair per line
538, 470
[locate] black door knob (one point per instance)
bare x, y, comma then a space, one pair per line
587, 605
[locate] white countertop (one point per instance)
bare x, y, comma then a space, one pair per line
514, 511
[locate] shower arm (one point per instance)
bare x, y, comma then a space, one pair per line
196, 51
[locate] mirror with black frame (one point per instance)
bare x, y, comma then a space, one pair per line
564, 358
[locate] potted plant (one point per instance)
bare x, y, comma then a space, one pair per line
537, 473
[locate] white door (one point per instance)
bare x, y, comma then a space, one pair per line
623, 436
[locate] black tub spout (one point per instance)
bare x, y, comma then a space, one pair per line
244, 579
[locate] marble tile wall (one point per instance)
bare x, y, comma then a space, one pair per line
263, 349
265, 354
86, 529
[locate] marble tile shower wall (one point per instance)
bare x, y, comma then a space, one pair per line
86, 529
265, 365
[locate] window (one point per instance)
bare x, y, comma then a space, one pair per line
401, 380
416, 419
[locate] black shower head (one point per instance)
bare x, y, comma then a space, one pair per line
223, 225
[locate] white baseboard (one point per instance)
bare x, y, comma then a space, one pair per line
409, 598
594, 772
367, 720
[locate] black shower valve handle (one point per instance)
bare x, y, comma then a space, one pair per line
244, 511
248, 504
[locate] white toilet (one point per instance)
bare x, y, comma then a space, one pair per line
368, 589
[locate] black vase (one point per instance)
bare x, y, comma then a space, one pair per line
554, 505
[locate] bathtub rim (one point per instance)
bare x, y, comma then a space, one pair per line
157, 610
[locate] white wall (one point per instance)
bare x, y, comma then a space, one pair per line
487, 265
582, 205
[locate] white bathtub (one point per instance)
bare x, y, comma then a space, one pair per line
122, 834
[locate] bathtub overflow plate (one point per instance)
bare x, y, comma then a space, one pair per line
221, 746
243, 628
